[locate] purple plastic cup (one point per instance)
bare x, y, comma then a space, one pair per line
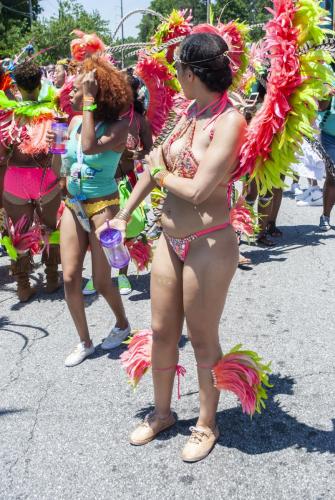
116, 252
58, 147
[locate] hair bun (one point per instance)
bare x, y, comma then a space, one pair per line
210, 48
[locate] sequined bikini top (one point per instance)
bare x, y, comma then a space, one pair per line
185, 164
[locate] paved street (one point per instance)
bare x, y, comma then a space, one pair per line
63, 431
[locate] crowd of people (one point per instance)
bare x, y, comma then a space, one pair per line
196, 255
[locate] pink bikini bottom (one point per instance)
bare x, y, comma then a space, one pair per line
181, 246
29, 183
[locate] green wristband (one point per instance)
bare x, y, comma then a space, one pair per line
91, 107
155, 171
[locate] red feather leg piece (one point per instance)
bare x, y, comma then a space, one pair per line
24, 239
136, 360
243, 373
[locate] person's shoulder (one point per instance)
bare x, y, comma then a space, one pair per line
75, 121
118, 127
231, 117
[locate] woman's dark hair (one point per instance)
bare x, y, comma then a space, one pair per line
205, 54
28, 75
135, 84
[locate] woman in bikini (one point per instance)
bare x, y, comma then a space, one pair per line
96, 142
197, 253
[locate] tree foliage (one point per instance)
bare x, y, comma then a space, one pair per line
54, 33
250, 11
17, 11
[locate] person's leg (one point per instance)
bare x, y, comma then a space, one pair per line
276, 204
101, 271
167, 319
328, 142
313, 182
208, 271
328, 194
272, 228
47, 209
251, 192
21, 268
167, 323
73, 247
264, 212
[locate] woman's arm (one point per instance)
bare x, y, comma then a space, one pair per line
114, 138
145, 134
141, 190
217, 165
126, 164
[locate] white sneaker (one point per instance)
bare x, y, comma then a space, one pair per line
296, 189
115, 338
315, 199
305, 194
79, 353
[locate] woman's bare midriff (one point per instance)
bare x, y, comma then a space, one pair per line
180, 218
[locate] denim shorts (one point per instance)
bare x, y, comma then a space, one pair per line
328, 142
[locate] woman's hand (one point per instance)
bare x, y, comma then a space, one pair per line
118, 224
90, 84
155, 158
50, 137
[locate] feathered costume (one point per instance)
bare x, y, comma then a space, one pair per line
295, 83
27, 122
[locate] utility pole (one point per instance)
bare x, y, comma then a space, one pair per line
208, 11
30, 12
122, 34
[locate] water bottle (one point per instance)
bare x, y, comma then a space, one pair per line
116, 252
59, 127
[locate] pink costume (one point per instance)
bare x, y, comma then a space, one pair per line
29, 183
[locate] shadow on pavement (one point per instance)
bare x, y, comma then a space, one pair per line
141, 284
8, 326
10, 411
294, 238
271, 431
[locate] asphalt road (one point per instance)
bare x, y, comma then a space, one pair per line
63, 431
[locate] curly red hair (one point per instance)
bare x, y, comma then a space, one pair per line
114, 94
